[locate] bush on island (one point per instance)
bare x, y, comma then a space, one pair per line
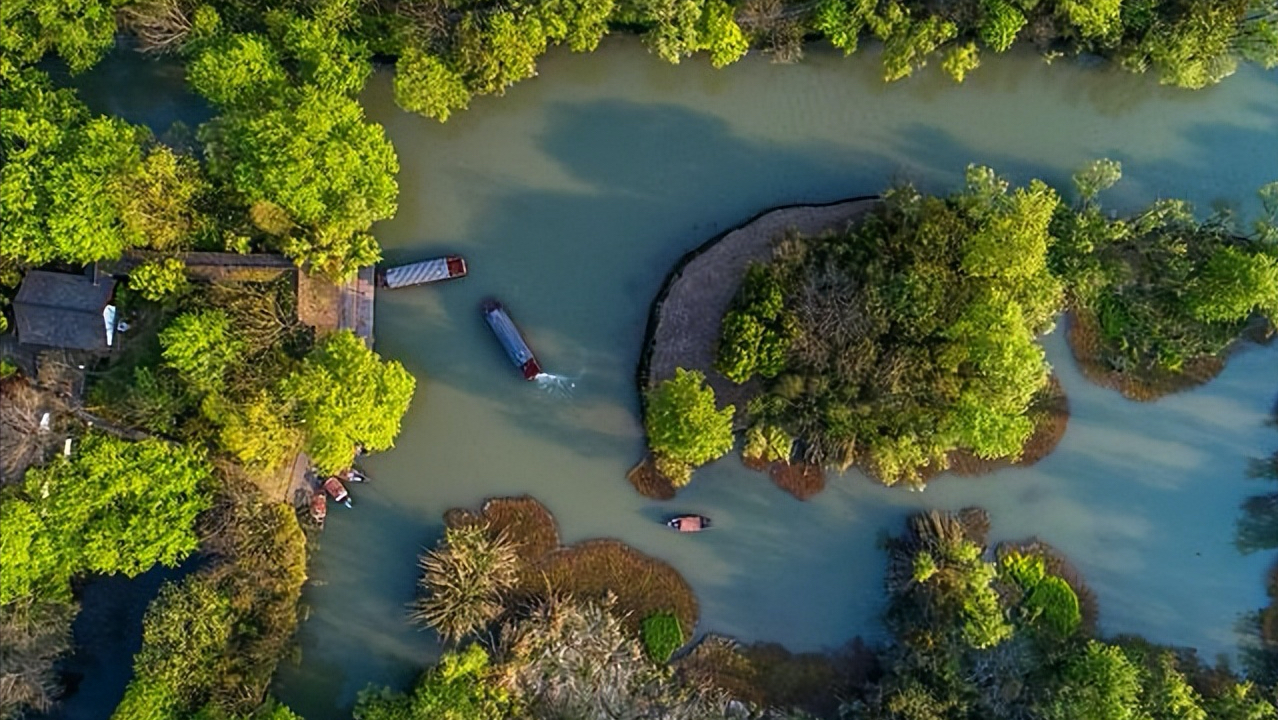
684, 427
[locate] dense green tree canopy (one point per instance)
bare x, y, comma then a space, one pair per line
62, 175
684, 426
316, 159
346, 395
78, 31
915, 331
201, 346
455, 689
113, 507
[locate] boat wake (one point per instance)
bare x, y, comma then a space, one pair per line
555, 384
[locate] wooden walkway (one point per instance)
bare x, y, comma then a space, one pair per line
355, 305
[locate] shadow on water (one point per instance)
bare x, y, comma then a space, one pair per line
106, 635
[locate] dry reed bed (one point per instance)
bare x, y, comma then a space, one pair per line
591, 569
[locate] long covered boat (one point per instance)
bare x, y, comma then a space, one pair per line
510, 338
421, 273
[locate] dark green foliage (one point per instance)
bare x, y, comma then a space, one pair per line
1164, 288
211, 642
113, 507
1047, 600
661, 636
914, 332
456, 689
757, 331
1096, 681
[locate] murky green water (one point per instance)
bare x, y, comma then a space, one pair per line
573, 195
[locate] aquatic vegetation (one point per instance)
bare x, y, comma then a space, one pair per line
576, 659
465, 580
592, 570
662, 636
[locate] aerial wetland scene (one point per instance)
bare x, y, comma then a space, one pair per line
639, 359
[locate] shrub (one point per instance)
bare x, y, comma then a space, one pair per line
683, 424
661, 636
465, 579
770, 443
757, 332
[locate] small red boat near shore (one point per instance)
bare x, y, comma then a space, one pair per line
688, 523
512, 341
319, 507
337, 491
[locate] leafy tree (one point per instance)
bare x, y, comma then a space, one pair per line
1241, 701
61, 175
1093, 19
184, 633
960, 60
768, 442
683, 425
457, 688
428, 85
1000, 24
240, 70
158, 201
79, 31
720, 35
662, 636
1232, 284
843, 21
155, 280
1097, 681
581, 24
345, 395
1201, 43
258, 433
113, 507
497, 49
318, 160
910, 44
757, 333
201, 346
1047, 599
329, 54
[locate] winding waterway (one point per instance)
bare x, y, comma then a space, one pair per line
574, 194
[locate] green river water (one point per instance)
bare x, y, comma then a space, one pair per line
573, 195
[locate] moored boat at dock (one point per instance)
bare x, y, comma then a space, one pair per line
337, 491
512, 341
438, 269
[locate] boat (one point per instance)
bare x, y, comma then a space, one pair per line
352, 475
688, 523
319, 507
337, 491
510, 338
423, 272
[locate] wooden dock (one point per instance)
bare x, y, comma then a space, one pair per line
355, 305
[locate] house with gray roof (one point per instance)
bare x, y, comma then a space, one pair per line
65, 311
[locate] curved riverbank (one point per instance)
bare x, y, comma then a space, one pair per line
685, 316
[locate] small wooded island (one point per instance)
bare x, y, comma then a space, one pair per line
901, 336
158, 421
